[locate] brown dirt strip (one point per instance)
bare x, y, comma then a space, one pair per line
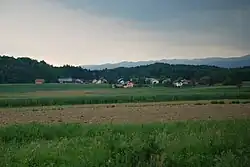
124, 113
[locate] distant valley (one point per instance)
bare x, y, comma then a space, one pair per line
232, 62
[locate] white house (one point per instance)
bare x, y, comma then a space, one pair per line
94, 81
168, 80
121, 81
129, 84
178, 84
65, 80
99, 81
185, 81
79, 81
152, 81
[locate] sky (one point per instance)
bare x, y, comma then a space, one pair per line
84, 32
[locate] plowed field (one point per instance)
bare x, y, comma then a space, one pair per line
124, 113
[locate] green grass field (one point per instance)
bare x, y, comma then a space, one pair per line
192, 143
66, 94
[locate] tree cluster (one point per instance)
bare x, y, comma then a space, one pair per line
26, 70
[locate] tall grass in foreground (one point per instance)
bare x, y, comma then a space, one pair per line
192, 143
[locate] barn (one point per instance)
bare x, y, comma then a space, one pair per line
39, 81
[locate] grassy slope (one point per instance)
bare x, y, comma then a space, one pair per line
202, 143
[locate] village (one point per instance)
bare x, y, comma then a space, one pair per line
122, 83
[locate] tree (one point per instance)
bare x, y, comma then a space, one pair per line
227, 81
206, 80
193, 82
211, 81
167, 82
239, 85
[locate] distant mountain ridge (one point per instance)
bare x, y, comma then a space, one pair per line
233, 62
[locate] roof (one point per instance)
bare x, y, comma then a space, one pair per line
39, 80
65, 79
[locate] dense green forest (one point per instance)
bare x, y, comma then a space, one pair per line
26, 70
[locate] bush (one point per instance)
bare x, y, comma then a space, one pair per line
200, 104
245, 102
221, 102
214, 102
235, 102
217, 102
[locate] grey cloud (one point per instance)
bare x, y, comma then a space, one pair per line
227, 20
60, 34
150, 10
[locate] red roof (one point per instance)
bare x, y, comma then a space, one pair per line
39, 81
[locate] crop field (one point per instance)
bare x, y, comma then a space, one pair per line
69, 94
72, 125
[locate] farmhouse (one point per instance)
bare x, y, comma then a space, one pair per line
99, 81
94, 81
65, 80
79, 81
185, 82
168, 80
39, 81
181, 82
129, 84
121, 81
152, 81
178, 84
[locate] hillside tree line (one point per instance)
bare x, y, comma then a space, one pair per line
26, 70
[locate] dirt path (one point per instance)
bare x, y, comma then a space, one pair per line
123, 113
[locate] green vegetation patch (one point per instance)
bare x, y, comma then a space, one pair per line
49, 101
75, 94
239, 102
217, 102
192, 143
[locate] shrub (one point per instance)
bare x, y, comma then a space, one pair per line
235, 102
200, 104
245, 102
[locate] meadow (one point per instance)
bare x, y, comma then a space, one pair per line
188, 143
47, 125
70, 94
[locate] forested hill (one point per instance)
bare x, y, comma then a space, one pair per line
26, 70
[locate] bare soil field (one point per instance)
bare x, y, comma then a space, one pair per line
124, 113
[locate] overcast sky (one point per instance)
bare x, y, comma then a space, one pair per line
81, 32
